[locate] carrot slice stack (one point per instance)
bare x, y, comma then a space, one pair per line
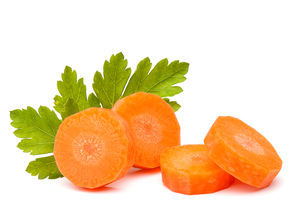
154, 126
187, 169
93, 148
243, 152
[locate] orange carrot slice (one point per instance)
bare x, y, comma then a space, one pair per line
154, 126
188, 169
93, 148
243, 152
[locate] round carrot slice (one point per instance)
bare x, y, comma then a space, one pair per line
243, 152
93, 148
188, 169
154, 126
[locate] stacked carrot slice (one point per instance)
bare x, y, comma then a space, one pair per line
243, 152
231, 147
98, 146
188, 169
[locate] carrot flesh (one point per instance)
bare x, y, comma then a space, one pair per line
187, 169
242, 151
93, 148
154, 126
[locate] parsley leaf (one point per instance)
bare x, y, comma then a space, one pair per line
109, 87
37, 130
173, 104
71, 107
93, 100
44, 167
135, 83
69, 87
160, 80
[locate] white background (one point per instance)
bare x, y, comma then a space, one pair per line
242, 58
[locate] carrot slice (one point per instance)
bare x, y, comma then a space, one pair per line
93, 148
243, 152
188, 169
154, 126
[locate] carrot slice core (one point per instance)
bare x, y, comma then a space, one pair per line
242, 151
147, 128
187, 169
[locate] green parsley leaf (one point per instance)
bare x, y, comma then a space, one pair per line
44, 167
109, 88
160, 80
71, 107
93, 100
70, 88
173, 104
135, 83
37, 130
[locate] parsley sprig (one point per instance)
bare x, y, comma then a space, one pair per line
37, 129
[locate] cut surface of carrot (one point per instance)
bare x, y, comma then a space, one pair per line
154, 126
187, 169
242, 151
93, 148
